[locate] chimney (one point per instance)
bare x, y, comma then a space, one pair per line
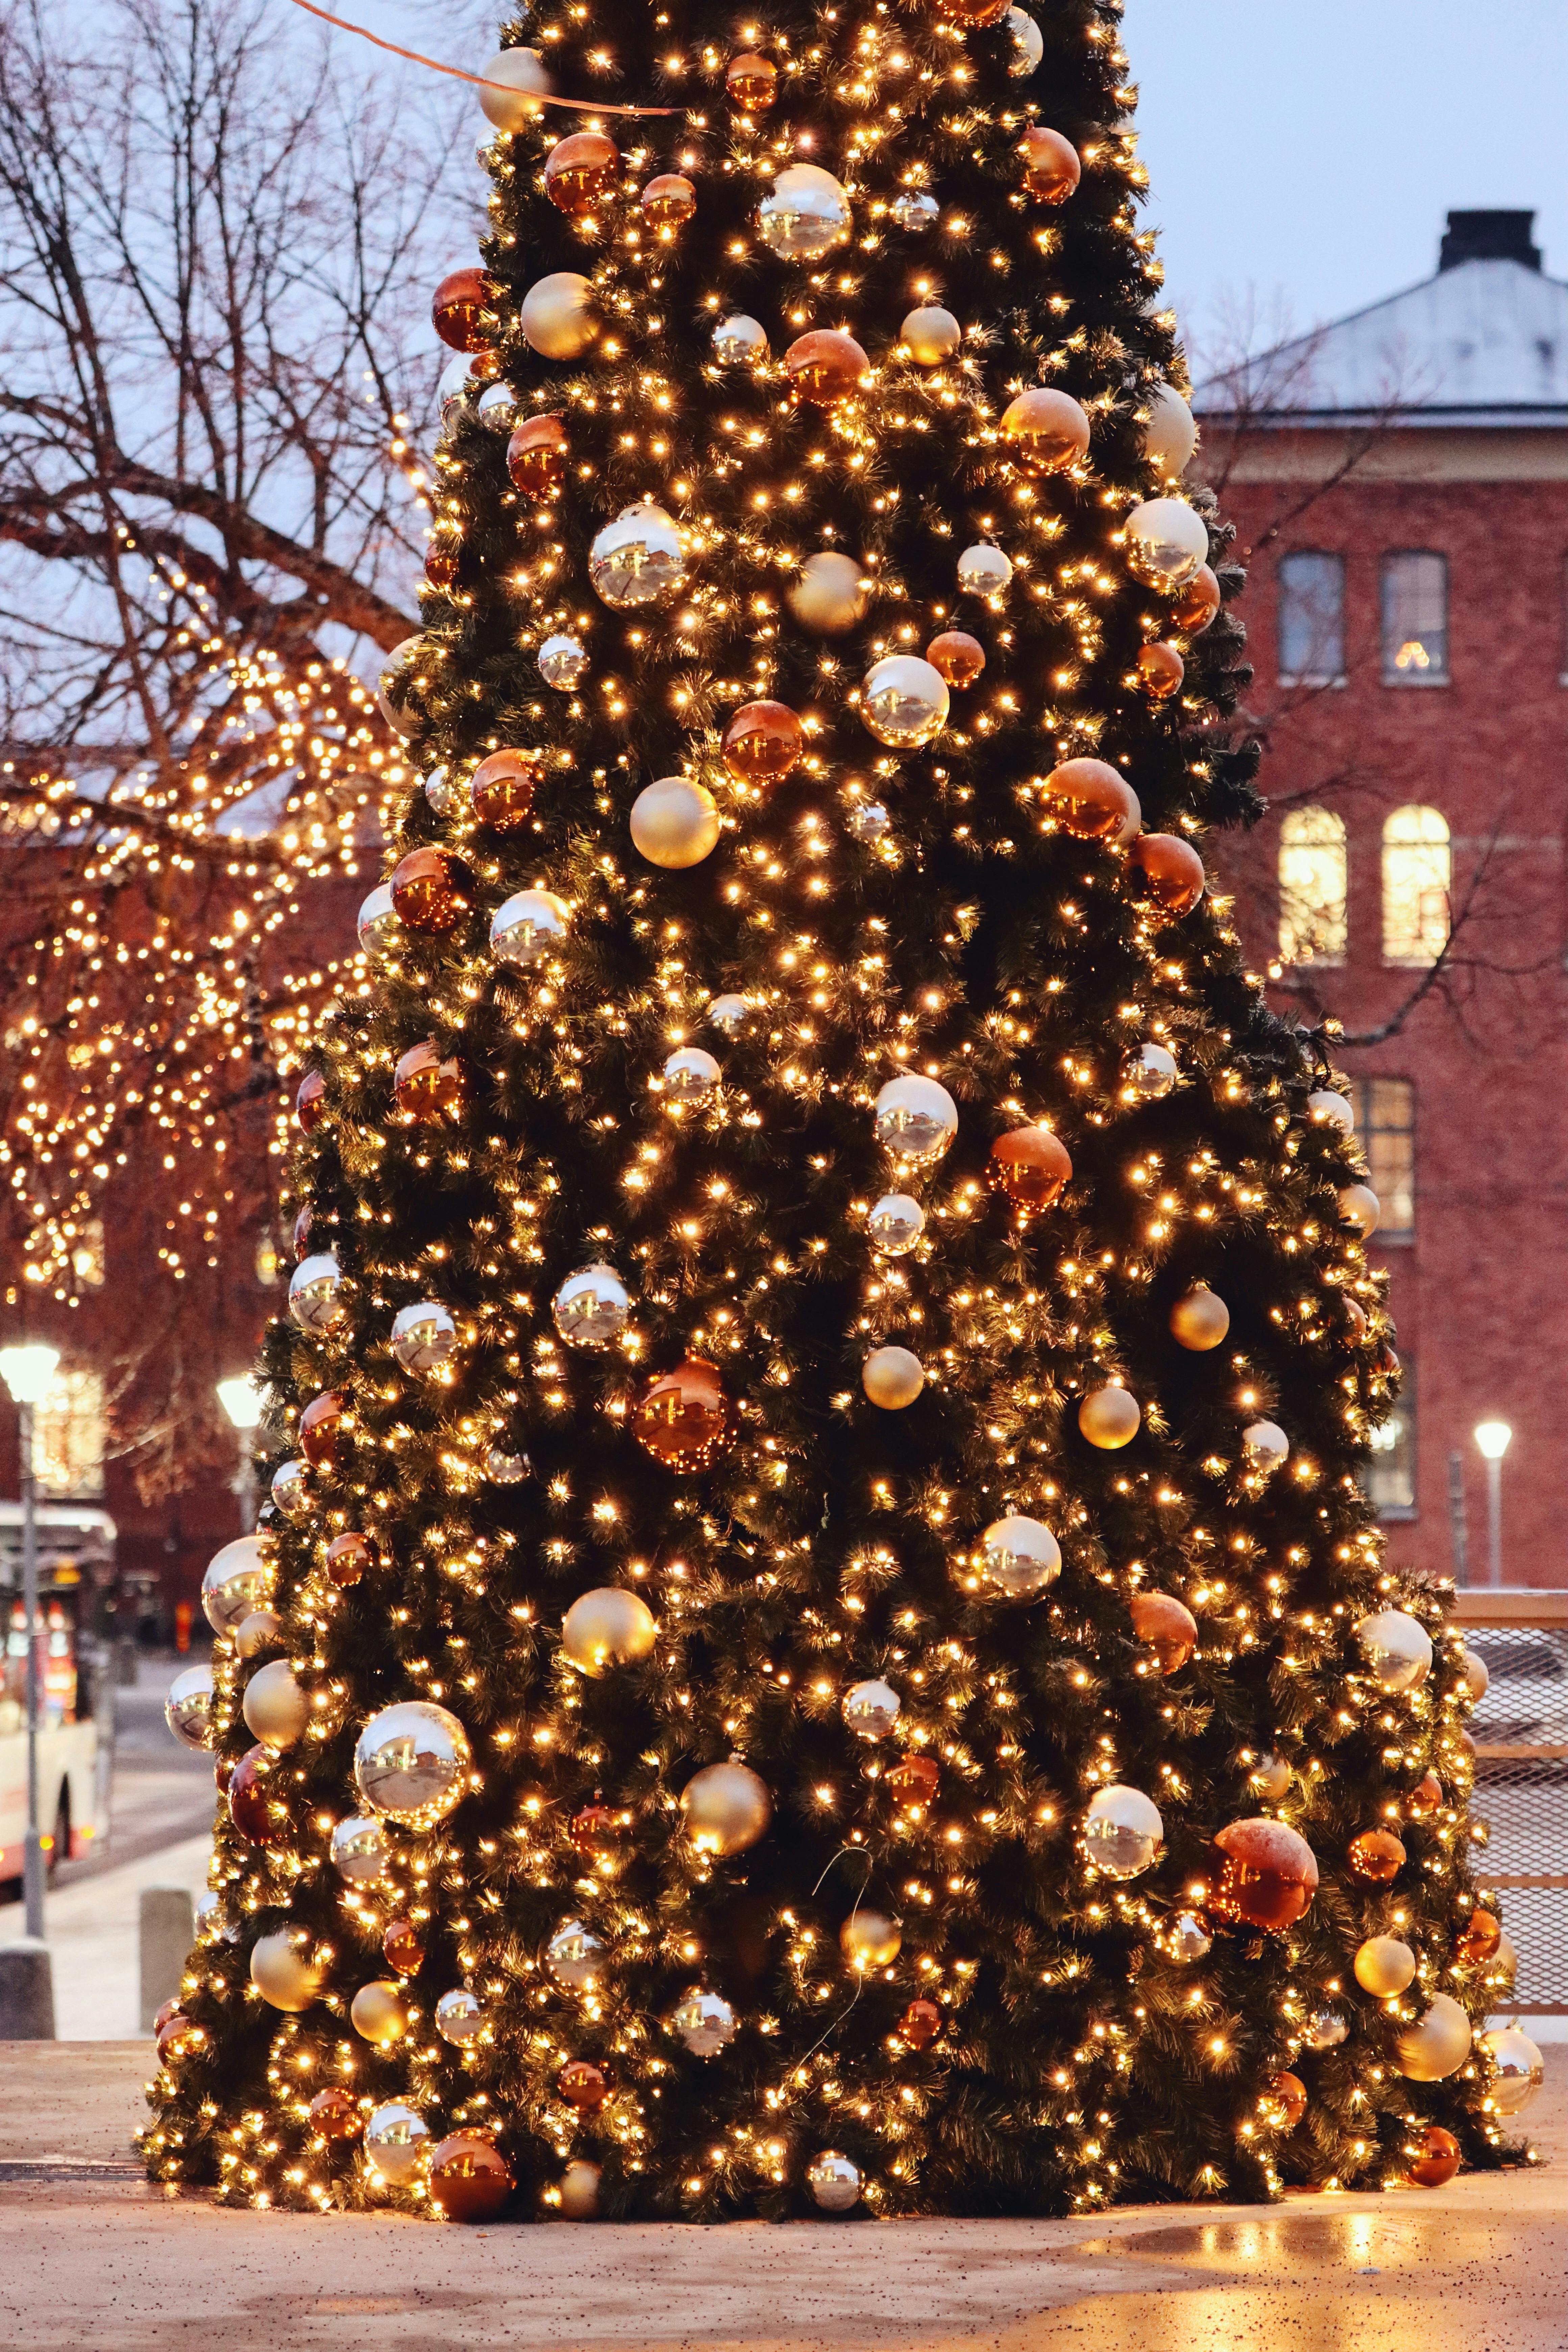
1488, 236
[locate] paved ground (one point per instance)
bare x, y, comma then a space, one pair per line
90, 2262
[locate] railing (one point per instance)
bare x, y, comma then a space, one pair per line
1521, 1731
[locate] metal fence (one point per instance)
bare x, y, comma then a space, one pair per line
1520, 1729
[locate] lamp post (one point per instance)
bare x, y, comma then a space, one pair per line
28, 1372
1493, 1438
241, 1400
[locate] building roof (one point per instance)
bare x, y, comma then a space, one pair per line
1484, 342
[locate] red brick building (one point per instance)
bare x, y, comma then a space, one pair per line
1400, 486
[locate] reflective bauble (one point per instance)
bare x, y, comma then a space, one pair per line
333, 2114
523, 77
983, 571
1199, 1320
870, 1939
321, 1425
461, 2017
557, 315
1361, 1208
1090, 800
682, 1417
669, 200
957, 657
423, 1338
577, 2192
1122, 1832
763, 743
752, 82
727, 1013
1051, 166
904, 701
705, 2022
1437, 2045
496, 408
536, 455
636, 562
258, 1805
528, 927
1264, 1874
427, 1089
290, 1488
1481, 1936
1028, 43
691, 1077
1434, 2155
895, 1224
913, 1781
1017, 1558
277, 1710
1028, 1166
824, 367
1045, 430
865, 820
584, 2086
429, 890
1186, 1939
1199, 603
806, 216
931, 334
412, 1763
916, 1120
315, 1302
1521, 2068
397, 676
1172, 871
1477, 1676
470, 2180
561, 662
501, 789
1170, 433
1166, 542
1151, 1072
349, 1556
675, 823
1166, 1626
607, 1627
580, 171
574, 1957
1396, 1649
740, 341
504, 1468
590, 1307
914, 209
1376, 1855
1284, 2101
238, 1578
1161, 672
1326, 2029
402, 1943
1426, 1799
892, 1378
871, 1709
1269, 1777
919, 2024
379, 2014
834, 2181
726, 1808
1264, 1446
284, 1973
188, 1710
458, 307
360, 1850
310, 1101
397, 2142
379, 926
1110, 1418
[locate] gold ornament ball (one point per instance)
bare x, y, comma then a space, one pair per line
1477, 1676
1384, 1965
557, 315
830, 594
526, 79
892, 1378
1360, 1207
1170, 434
1396, 1648
275, 1705
378, 2012
726, 1807
607, 1627
931, 333
1284, 2101
1167, 1626
1110, 1418
1199, 1320
262, 1630
1521, 2068
675, 823
577, 2192
870, 1939
284, 1975
1167, 544
1269, 1777
1437, 2045
1504, 1962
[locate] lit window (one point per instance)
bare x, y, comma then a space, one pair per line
69, 1433
1417, 870
1385, 1130
1415, 620
1390, 1475
1313, 881
87, 1254
269, 1265
1311, 620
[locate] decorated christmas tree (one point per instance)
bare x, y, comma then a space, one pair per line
819, 1643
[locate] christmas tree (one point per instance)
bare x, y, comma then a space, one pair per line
818, 1643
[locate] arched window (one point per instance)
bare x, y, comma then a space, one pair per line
1314, 876
1417, 869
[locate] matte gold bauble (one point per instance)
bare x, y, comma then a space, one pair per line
1167, 1626
284, 1974
682, 1417
1045, 430
1384, 1966
1172, 871
1434, 2158
274, 1706
607, 1627
930, 335
1199, 1320
557, 315
726, 1808
470, 2180
1284, 2101
1376, 1855
1520, 2068
1090, 800
870, 1939
262, 1630
1477, 1676
675, 823
830, 594
524, 78
1437, 2045
1264, 1876
1110, 1418
1051, 166
1269, 1777
577, 2192
892, 1378
379, 2014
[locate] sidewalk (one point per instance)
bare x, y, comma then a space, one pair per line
94, 1936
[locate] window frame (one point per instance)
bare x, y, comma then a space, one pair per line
1413, 677
1368, 1124
1323, 677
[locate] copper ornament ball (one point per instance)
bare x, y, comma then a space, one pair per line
1051, 166
1029, 1166
536, 455
1426, 1799
582, 2084
913, 1781
500, 791
1263, 1874
1172, 869
824, 366
920, 2023
1376, 1855
596, 1831
1166, 1626
669, 200
763, 743
320, 1425
176, 2035
470, 2180
1198, 604
1434, 2158
579, 171
403, 1948
302, 1234
752, 82
957, 657
1481, 1934
310, 1101
458, 309
682, 1416
971, 13
256, 1805
1092, 800
334, 2115
348, 1557
427, 1087
1284, 2100
1160, 670
1045, 430
427, 890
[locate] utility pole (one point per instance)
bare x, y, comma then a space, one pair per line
1459, 1525
28, 1372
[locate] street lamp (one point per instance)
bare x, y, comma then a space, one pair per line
28, 1372
1493, 1438
241, 1400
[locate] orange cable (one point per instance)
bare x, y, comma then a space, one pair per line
579, 105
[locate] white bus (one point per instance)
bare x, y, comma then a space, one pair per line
75, 1551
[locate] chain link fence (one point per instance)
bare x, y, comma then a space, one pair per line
1520, 1729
